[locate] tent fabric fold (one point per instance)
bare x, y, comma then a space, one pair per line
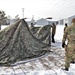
43, 33
17, 43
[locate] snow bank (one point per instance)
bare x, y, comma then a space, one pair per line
3, 26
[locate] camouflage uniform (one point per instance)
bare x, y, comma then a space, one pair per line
32, 26
65, 26
69, 34
53, 32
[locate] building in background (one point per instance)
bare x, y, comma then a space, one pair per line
69, 19
61, 21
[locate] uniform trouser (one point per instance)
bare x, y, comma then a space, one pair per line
68, 59
67, 62
53, 38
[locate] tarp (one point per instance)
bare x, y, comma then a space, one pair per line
18, 43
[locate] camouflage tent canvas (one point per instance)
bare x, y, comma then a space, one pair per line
18, 43
43, 33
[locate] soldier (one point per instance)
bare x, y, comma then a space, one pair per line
69, 34
53, 32
65, 26
32, 25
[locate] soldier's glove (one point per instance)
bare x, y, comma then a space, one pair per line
63, 45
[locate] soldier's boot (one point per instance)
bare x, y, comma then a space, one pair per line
73, 61
66, 69
53, 38
53, 41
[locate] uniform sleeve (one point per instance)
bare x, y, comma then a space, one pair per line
65, 35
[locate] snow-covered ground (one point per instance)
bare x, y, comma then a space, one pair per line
49, 64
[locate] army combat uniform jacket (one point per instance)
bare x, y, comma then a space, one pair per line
69, 34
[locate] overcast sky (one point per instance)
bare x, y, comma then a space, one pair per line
39, 8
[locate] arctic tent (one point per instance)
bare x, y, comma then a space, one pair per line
17, 43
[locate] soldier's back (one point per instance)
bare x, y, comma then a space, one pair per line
71, 34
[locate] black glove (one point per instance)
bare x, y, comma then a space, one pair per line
63, 45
